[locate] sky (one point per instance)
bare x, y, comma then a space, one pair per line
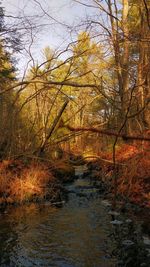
54, 35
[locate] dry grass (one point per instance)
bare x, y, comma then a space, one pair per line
133, 172
20, 183
134, 179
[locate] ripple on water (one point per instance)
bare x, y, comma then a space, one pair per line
75, 235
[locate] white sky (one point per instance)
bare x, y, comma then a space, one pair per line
54, 35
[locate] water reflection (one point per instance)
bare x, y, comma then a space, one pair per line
73, 236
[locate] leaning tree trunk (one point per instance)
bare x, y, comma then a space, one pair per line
55, 122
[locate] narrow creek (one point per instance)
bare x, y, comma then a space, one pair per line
74, 235
43, 235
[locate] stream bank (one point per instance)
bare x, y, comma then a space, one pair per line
75, 235
137, 210
33, 181
82, 231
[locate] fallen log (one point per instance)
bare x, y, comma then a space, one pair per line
109, 133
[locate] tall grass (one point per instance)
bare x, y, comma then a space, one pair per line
23, 184
133, 164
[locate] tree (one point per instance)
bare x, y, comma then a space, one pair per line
7, 77
144, 63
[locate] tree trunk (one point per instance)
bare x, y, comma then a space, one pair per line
125, 57
121, 58
43, 146
144, 70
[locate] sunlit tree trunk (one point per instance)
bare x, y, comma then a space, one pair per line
144, 69
121, 54
125, 56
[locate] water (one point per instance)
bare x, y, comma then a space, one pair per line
75, 235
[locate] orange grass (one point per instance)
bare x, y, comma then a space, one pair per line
24, 183
133, 172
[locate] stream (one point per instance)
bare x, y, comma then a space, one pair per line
74, 235
71, 236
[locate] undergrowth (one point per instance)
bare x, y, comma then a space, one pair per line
133, 172
20, 183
